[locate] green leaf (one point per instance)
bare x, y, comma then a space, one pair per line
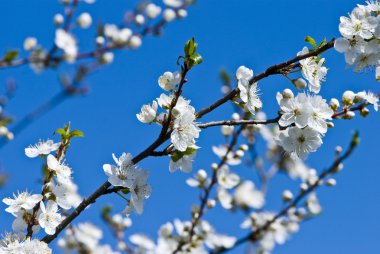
194, 59
76, 133
323, 43
310, 40
6, 121
60, 131
125, 191
11, 55
177, 155
190, 47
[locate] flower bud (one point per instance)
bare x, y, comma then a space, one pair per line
201, 175
84, 20
349, 115
331, 182
244, 147
239, 153
211, 203
214, 166
360, 96
227, 130
135, 42
152, 10
334, 104
182, 13
348, 98
225, 89
235, 116
107, 58
338, 150
303, 186
30, 43
364, 112
287, 195
139, 19
58, 19
100, 40
299, 83
287, 94
169, 15
330, 124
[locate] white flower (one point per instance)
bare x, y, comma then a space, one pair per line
215, 241
164, 101
248, 93
231, 158
16, 244
148, 113
62, 171
295, 110
359, 23
313, 70
185, 131
88, 235
185, 163
152, 10
66, 194
173, 3
23, 200
41, 148
140, 190
225, 199
84, 20
67, 43
49, 219
371, 98
247, 195
300, 142
168, 81
142, 242
226, 179
320, 112
124, 174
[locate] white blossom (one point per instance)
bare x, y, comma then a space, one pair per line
300, 142
226, 179
49, 217
21, 201
140, 190
169, 80
124, 173
152, 10
185, 131
67, 43
148, 113
247, 195
185, 163
62, 171
41, 148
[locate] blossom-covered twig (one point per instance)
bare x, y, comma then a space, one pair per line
255, 235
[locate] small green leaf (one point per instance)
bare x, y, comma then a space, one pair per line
11, 55
76, 133
194, 59
323, 43
225, 77
310, 40
125, 191
60, 131
190, 47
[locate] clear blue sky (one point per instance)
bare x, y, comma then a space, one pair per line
230, 33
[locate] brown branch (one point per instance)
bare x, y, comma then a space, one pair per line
275, 69
237, 122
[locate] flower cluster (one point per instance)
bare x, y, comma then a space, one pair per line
360, 37
127, 175
182, 121
41, 210
84, 238
18, 244
170, 236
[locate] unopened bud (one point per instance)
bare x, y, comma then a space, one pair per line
139, 19
348, 98
135, 42
201, 175
334, 104
227, 130
349, 115
169, 15
364, 112
30, 43
100, 40
84, 20
214, 166
287, 94
182, 13
360, 96
107, 58
58, 19
331, 182
287, 195
244, 147
235, 116
330, 124
303, 186
338, 150
211, 203
299, 83
239, 153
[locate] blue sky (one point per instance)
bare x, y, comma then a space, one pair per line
230, 33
